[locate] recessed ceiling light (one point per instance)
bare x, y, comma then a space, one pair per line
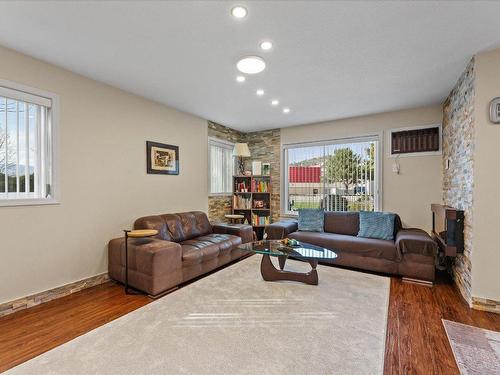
286, 110
267, 45
251, 64
259, 92
240, 78
239, 12
275, 102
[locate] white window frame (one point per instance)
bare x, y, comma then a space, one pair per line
378, 201
226, 144
411, 154
17, 91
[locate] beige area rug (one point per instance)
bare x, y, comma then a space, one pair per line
233, 322
476, 350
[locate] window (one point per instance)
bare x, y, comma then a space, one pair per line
220, 158
337, 176
27, 172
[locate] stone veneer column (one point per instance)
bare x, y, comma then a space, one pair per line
458, 179
265, 146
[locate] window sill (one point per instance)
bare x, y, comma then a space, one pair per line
220, 195
28, 202
289, 215
414, 154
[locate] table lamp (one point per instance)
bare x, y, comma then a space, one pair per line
241, 151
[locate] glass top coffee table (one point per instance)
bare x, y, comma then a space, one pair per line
303, 251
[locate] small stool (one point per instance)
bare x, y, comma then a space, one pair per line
139, 233
235, 219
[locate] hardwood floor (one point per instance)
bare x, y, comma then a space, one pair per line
416, 340
28, 333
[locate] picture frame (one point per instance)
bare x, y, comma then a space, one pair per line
256, 168
162, 158
258, 204
266, 169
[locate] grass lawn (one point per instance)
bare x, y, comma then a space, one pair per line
299, 205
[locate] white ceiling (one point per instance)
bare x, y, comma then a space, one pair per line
330, 59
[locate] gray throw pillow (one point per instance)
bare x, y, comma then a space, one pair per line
311, 219
376, 225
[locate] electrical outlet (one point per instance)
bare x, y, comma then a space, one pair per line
395, 168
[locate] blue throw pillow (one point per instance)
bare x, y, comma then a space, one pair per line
376, 225
311, 219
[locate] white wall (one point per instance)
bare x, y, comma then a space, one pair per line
486, 253
419, 183
103, 132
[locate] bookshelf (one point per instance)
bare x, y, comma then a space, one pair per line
252, 199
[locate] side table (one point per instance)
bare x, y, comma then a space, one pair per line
234, 218
139, 233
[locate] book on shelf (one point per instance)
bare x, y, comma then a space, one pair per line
260, 220
260, 186
241, 187
242, 202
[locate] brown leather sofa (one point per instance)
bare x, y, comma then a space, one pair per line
186, 246
411, 254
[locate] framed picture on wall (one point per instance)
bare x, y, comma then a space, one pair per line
162, 158
256, 168
266, 169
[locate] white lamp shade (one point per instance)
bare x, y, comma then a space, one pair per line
241, 149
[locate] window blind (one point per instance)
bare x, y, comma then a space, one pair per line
221, 167
24, 150
339, 175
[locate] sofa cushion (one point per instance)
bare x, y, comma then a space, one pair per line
226, 242
210, 246
376, 225
416, 241
243, 231
194, 251
342, 222
348, 223
174, 227
187, 225
368, 247
311, 219
154, 222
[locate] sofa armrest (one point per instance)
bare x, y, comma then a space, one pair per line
149, 256
280, 229
244, 231
415, 241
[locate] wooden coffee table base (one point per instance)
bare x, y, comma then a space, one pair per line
270, 273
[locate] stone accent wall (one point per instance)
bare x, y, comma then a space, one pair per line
486, 305
458, 180
223, 132
49, 295
218, 207
265, 146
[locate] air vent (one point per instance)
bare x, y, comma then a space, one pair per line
414, 141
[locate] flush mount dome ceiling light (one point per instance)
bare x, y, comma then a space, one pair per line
275, 102
286, 110
251, 64
259, 92
240, 79
266, 45
239, 12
